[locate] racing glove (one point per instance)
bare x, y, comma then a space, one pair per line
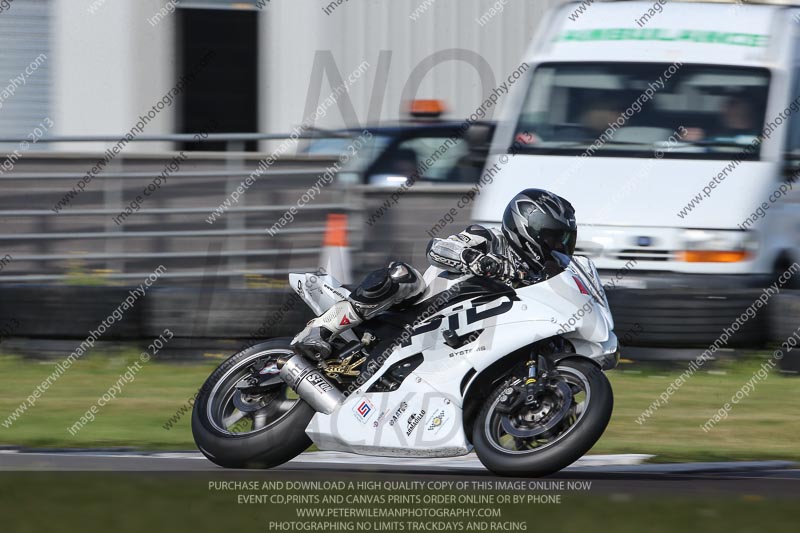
488, 265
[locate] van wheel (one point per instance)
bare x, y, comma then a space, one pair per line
781, 266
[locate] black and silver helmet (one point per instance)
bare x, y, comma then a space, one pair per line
538, 222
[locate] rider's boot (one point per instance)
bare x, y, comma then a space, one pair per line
313, 341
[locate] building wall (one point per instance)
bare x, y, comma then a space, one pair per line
25, 68
394, 44
110, 67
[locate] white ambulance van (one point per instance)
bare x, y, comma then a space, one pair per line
674, 130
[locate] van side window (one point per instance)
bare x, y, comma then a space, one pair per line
793, 138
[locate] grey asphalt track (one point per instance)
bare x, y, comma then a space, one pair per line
613, 474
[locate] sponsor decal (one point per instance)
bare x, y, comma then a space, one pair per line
364, 410
462, 352
533, 252
334, 291
379, 419
436, 422
319, 383
398, 413
413, 422
454, 321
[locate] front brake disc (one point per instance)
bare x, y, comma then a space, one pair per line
563, 393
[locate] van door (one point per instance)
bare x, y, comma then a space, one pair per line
783, 225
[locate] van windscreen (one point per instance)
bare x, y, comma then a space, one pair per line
637, 109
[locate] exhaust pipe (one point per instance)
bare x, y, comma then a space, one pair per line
310, 384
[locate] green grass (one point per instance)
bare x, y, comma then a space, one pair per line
134, 419
763, 426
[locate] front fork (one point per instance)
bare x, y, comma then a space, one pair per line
538, 370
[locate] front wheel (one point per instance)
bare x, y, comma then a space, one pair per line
539, 437
239, 421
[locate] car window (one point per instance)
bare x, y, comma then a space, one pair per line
440, 159
330, 146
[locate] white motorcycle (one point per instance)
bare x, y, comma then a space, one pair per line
515, 374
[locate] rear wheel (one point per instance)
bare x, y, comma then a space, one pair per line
542, 436
245, 416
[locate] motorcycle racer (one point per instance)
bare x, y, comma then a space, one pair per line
535, 224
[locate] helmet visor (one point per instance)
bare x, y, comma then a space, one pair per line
559, 240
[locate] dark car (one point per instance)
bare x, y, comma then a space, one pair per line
442, 152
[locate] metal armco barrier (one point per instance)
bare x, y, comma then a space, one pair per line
88, 241
223, 280
82, 242
62, 273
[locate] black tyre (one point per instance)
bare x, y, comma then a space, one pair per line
563, 431
251, 428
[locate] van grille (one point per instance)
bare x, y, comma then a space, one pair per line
589, 251
643, 254
638, 254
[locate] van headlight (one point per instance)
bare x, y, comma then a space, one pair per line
718, 246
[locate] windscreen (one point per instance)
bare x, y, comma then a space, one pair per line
618, 109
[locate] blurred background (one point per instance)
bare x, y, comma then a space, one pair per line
127, 128
230, 143
226, 84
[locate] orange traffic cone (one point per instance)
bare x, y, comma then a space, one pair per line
335, 250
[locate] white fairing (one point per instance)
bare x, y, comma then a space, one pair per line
423, 417
319, 292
